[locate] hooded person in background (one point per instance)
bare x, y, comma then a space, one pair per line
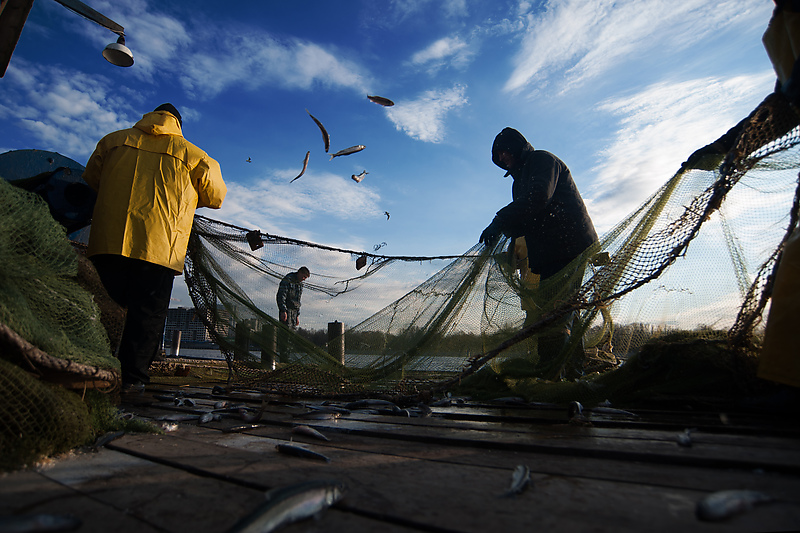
149, 181
547, 213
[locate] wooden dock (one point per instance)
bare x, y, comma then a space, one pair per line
446, 472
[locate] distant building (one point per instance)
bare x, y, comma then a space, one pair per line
187, 322
191, 326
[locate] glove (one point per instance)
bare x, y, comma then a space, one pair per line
491, 233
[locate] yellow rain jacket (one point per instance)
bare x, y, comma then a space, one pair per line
149, 181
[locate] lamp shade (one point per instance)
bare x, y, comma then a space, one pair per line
118, 54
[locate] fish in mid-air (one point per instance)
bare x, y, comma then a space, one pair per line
380, 100
248, 160
358, 177
387, 214
305, 165
348, 151
325, 137
286, 505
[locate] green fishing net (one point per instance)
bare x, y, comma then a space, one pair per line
692, 262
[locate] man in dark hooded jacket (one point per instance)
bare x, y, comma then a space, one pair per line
547, 210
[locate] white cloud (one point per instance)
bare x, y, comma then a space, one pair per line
268, 202
581, 39
67, 111
447, 50
400, 10
207, 60
659, 127
255, 61
423, 119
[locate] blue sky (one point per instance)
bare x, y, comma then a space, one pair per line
622, 91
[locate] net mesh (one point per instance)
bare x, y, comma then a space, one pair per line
667, 306
692, 264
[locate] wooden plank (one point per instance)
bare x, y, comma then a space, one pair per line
454, 496
715, 450
131, 494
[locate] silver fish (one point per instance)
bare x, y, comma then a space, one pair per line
105, 439
239, 429
685, 439
184, 402
424, 410
289, 504
222, 404
574, 408
305, 165
726, 503
318, 415
380, 100
612, 411
372, 404
298, 451
329, 408
206, 418
309, 432
247, 416
179, 417
348, 151
31, 523
520, 479
358, 177
325, 137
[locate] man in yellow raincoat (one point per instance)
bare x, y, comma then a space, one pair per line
149, 181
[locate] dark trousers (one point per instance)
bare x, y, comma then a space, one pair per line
144, 290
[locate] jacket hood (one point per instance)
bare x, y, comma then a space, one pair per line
159, 123
512, 141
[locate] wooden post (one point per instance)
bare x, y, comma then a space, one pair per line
175, 347
241, 340
269, 346
336, 340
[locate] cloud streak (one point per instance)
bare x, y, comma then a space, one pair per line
423, 118
578, 40
683, 116
446, 51
268, 203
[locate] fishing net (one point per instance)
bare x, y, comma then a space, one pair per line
667, 306
668, 303
52, 334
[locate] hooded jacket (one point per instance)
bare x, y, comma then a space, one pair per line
149, 181
547, 208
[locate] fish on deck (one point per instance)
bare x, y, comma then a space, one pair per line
298, 451
286, 505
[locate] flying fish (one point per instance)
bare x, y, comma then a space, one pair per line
348, 151
358, 177
325, 137
380, 100
305, 165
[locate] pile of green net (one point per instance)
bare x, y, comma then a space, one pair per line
52, 329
